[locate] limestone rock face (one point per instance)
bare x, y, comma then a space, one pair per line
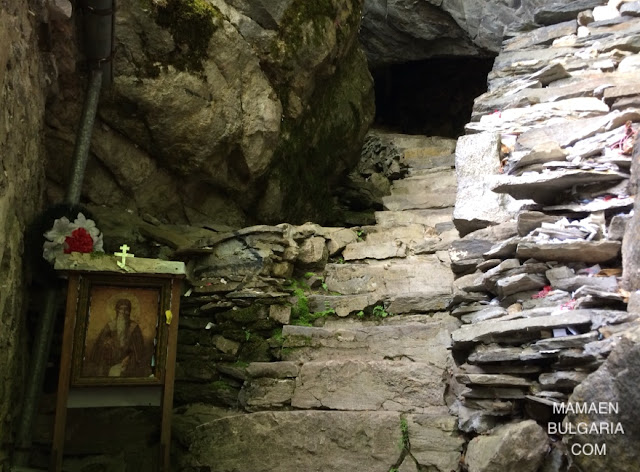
614, 385
406, 30
229, 110
518, 445
284, 440
630, 246
22, 96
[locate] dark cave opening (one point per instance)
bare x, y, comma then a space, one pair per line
432, 97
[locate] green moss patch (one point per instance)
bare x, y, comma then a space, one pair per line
191, 23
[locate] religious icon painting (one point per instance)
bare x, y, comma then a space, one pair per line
120, 335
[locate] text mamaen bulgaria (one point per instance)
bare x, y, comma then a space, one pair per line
595, 428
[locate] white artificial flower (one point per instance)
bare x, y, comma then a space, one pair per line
98, 243
52, 250
62, 228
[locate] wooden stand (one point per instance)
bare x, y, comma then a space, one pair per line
91, 282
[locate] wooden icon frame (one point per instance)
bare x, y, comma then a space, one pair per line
96, 331
77, 316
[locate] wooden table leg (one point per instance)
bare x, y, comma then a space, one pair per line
57, 448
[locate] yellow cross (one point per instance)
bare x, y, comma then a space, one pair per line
124, 248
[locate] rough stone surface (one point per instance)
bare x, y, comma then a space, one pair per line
519, 445
573, 250
268, 441
403, 31
614, 382
489, 331
412, 274
253, 85
477, 167
554, 12
418, 339
435, 441
630, 243
313, 253
266, 394
373, 385
22, 100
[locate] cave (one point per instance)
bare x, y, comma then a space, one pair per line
432, 97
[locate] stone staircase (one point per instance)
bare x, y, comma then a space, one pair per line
365, 388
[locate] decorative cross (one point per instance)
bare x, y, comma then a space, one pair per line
124, 248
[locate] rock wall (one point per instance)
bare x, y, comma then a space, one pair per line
557, 327
231, 111
22, 94
404, 30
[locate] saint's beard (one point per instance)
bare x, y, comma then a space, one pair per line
122, 326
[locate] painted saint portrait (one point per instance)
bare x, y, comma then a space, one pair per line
121, 333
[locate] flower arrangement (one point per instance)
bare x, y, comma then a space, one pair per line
66, 237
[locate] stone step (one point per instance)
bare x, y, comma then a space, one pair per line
420, 201
431, 217
413, 274
436, 181
401, 241
418, 172
431, 145
356, 385
350, 440
427, 300
418, 158
343, 305
416, 338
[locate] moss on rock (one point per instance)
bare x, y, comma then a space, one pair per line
325, 144
191, 23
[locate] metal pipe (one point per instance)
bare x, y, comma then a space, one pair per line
37, 367
99, 23
83, 140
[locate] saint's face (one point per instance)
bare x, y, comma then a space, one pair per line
123, 311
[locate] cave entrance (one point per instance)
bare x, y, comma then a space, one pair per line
432, 97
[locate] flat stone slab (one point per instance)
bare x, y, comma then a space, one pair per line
477, 166
566, 132
372, 250
394, 242
269, 441
566, 342
356, 385
445, 181
412, 274
488, 354
543, 188
343, 305
493, 331
570, 250
420, 302
466, 254
424, 342
424, 217
593, 206
435, 441
495, 380
276, 370
562, 379
423, 200
266, 393
544, 35
519, 283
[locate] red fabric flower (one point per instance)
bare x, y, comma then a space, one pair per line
79, 241
542, 293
